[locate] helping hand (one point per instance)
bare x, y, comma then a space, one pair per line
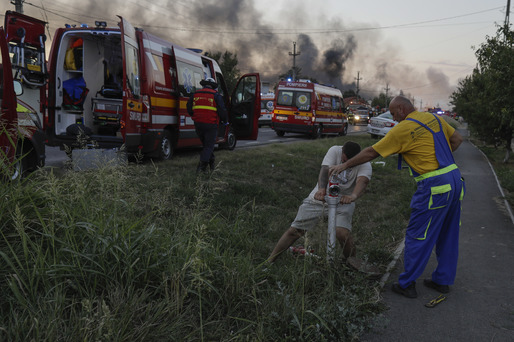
337, 169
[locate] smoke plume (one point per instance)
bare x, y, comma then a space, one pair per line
334, 56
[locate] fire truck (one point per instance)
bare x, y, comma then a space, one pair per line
23, 76
125, 88
309, 108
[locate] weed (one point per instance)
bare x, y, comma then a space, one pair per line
153, 251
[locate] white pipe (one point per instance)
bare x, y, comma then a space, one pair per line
331, 234
332, 198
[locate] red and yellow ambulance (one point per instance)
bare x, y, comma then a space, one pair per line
309, 108
123, 86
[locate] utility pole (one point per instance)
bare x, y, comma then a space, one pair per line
387, 95
18, 5
294, 54
421, 105
507, 14
358, 79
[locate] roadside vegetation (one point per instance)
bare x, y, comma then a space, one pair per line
153, 252
483, 98
504, 169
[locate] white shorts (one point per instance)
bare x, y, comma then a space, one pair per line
311, 211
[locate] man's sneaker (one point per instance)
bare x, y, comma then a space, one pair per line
409, 291
433, 285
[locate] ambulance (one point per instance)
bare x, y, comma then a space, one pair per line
124, 88
23, 76
266, 109
309, 108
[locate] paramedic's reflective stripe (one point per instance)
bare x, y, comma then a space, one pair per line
22, 109
206, 107
439, 172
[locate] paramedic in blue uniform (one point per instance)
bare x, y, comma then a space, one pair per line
207, 109
425, 142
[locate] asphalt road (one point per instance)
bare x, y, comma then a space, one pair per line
57, 158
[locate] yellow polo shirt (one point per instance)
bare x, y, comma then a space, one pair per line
414, 142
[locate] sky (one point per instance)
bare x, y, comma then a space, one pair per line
420, 48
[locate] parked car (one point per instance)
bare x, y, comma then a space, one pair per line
379, 126
358, 115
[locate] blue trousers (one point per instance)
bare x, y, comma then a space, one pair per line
434, 221
207, 134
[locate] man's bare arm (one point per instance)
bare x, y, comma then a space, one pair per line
455, 140
365, 155
360, 186
322, 183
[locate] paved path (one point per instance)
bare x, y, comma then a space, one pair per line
480, 305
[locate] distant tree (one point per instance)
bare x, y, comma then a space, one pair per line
381, 101
228, 65
485, 98
349, 93
472, 103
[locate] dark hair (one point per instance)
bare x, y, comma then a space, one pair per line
351, 149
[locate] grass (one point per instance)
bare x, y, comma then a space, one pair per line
504, 170
151, 252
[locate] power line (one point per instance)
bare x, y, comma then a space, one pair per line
266, 31
318, 31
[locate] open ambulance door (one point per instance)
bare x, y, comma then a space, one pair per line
8, 114
245, 107
132, 101
26, 41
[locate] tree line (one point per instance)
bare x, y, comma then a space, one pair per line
484, 98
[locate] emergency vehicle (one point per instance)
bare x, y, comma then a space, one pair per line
358, 114
310, 108
266, 109
123, 87
23, 62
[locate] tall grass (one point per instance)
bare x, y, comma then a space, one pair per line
153, 252
504, 170
8, 164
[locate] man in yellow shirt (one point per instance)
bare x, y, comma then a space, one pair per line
426, 143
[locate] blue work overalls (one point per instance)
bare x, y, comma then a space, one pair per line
435, 217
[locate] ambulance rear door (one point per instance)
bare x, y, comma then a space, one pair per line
8, 114
26, 40
245, 107
132, 99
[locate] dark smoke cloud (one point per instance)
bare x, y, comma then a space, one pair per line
309, 54
267, 52
381, 72
214, 25
440, 81
334, 59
